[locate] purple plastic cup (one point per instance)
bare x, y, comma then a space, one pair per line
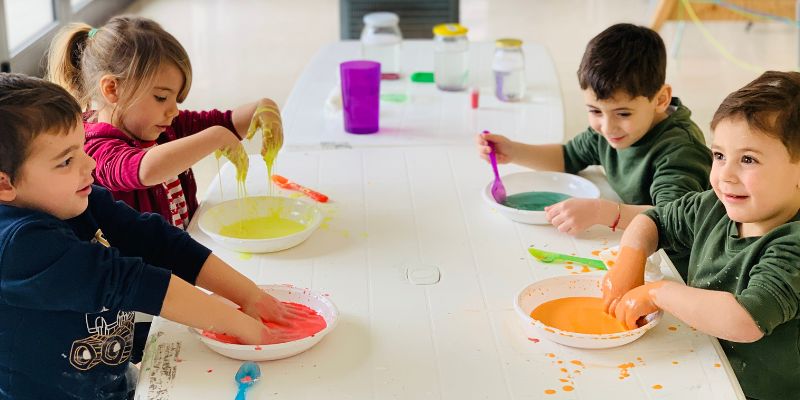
361, 91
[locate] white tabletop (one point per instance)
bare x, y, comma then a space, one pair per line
429, 116
395, 208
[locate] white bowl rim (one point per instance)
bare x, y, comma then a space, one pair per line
487, 191
285, 345
652, 318
315, 222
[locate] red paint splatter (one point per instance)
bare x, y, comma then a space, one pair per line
246, 379
533, 339
258, 347
210, 371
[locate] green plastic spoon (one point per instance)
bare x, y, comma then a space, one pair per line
550, 257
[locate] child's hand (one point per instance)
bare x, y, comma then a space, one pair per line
265, 307
267, 118
636, 303
574, 216
502, 147
237, 155
628, 273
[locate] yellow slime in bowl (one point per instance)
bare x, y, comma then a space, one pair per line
269, 227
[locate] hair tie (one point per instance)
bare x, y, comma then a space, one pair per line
92, 32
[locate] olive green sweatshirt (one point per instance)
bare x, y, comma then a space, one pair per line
669, 161
763, 273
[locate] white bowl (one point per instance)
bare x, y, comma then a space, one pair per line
319, 303
228, 212
559, 287
539, 181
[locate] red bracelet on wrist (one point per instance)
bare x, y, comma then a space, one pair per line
616, 220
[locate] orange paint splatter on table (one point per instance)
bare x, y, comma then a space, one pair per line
568, 388
549, 391
551, 355
675, 362
673, 328
717, 365
657, 387
610, 263
578, 363
596, 253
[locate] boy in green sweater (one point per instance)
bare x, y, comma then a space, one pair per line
744, 268
651, 151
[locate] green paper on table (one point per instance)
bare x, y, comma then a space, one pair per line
422, 77
550, 257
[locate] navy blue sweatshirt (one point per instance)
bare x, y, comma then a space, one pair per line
67, 298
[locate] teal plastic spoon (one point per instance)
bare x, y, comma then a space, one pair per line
550, 257
246, 376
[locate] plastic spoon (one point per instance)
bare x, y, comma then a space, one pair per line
498, 190
245, 377
551, 257
284, 183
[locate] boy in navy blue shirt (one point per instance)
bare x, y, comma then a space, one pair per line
75, 264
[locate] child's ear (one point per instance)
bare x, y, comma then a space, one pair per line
109, 88
664, 98
7, 191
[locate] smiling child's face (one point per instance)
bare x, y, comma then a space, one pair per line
754, 177
56, 176
622, 119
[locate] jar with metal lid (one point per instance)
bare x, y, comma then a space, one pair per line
451, 65
508, 66
381, 39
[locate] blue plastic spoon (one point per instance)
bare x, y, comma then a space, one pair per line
246, 376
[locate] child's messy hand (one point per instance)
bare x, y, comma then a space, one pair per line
637, 303
267, 118
265, 307
628, 273
237, 155
502, 147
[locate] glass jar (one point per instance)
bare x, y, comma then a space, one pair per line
450, 63
508, 66
381, 39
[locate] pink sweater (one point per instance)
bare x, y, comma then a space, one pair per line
119, 156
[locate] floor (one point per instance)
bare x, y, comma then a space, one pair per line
233, 43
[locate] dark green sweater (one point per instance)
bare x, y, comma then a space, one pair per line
667, 162
762, 272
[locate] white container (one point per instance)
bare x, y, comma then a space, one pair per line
508, 66
381, 40
450, 63
560, 287
228, 212
315, 301
540, 181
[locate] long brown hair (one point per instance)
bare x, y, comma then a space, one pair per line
131, 49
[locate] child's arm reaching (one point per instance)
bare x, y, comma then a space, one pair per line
716, 313
545, 157
170, 159
187, 305
220, 278
573, 216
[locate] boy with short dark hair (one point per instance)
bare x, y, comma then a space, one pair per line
651, 150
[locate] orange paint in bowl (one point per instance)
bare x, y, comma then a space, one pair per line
578, 315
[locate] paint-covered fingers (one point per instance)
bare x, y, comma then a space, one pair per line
636, 304
610, 296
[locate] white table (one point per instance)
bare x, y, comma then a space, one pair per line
429, 116
395, 208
